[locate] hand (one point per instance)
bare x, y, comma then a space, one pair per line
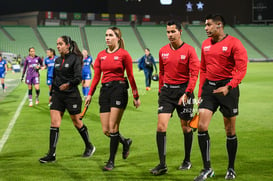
137, 103
88, 100
183, 100
64, 86
50, 97
222, 90
199, 101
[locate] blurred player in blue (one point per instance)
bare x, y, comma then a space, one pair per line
86, 73
49, 65
3, 71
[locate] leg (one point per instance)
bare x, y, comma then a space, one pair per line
150, 77
87, 85
104, 118
3, 83
89, 148
205, 116
232, 142
37, 88
188, 136
147, 79
30, 94
56, 117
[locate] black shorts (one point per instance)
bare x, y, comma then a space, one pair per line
228, 104
113, 94
168, 101
70, 101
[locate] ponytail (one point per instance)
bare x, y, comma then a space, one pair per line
117, 32
73, 48
121, 43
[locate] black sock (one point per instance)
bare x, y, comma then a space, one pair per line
3, 86
37, 92
231, 149
122, 140
85, 136
187, 145
204, 145
161, 146
53, 139
114, 140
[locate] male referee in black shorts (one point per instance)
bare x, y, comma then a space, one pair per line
178, 73
223, 66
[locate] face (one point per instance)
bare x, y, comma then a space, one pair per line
211, 28
111, 38
32, 52
173, 33
49, 53
62, 47
84, 53
147, 52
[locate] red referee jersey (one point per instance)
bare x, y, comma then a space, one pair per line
112, 65
223, 60
178, 66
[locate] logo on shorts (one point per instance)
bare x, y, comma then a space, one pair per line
66, 65
224, 49
118, 103
160, 108
74, 106
235, 111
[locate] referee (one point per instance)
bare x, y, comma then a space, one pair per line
178, 73
223, 66
65, 95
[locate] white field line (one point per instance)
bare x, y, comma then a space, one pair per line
12, 123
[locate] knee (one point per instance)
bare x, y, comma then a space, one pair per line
202, 126
106, 133
161, 128
186, 129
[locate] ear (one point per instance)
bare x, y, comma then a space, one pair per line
219, 25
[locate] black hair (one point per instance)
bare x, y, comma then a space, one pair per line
73, 48
216, 17
174, 22
31, 48
52, 50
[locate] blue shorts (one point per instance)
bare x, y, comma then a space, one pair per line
49, 80
86, 76
2, 75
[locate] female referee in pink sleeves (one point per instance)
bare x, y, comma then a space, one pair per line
113, 98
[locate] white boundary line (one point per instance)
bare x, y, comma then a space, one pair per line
12, 123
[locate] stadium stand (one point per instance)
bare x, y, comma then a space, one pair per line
154, 37
260, 36
50, 35
96, 40
24, 38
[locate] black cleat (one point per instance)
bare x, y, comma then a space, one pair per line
126, 148
204, 174
89, 152
159, 170
185, 165
109, 166
230, 174
48, 158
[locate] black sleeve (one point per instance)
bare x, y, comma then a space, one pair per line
77, 78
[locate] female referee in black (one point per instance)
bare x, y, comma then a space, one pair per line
113, 99
65, 95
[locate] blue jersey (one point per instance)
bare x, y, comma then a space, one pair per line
49, 62
86, 65
2, 66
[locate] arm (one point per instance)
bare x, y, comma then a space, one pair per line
140, 63
194, 66
153, 60
25, 68
96, 79
127, 61
202, 78
241, 59
161, 72
6, 67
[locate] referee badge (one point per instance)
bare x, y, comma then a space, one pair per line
224, 49
116, 57
183, 57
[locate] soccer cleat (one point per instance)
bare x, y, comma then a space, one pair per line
5, 90
30, 104
37, 101
185, 165
148, 88
48, 158
126, 148
230, 174
109, 166
159, 170
204, 174
89, 152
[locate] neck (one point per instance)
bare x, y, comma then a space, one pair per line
112, 49
177, 44
220, 37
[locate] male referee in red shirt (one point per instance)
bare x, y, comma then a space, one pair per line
178, 73
223, 66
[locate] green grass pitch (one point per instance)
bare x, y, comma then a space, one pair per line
28, 140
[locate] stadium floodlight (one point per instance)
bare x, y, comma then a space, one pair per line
166, 2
